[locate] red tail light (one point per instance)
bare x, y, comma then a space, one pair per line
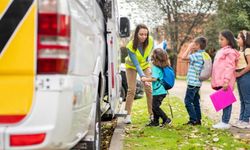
26, 139
11, 118
53, 39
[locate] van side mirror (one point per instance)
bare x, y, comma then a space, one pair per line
124, 28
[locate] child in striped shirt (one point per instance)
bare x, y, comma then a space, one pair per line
192, 98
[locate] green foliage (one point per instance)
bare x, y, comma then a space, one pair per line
230, 14
176, 136
234, 15
211, 30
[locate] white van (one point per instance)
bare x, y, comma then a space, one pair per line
56, 56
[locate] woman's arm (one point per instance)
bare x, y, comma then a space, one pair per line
136, 63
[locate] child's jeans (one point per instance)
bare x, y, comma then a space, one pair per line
158, 112
226, 115
244, 92
192, 103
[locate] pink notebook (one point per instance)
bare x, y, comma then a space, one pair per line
222, 99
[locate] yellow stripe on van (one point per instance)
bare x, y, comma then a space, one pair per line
17, 68
3, 6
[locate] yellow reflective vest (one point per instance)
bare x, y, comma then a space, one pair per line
141, 59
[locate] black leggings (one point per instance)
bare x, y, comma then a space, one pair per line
158, 112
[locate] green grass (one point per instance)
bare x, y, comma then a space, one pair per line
176, 136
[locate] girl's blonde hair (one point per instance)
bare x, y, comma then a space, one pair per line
160, 58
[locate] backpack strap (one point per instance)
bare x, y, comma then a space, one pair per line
160, 84
204, 57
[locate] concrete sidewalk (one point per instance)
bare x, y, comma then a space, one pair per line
118, 136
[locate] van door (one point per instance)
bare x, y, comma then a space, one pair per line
17, 59
1, 138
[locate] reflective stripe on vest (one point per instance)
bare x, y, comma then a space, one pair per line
141, 59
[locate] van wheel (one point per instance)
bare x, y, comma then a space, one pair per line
123, 94
97, 136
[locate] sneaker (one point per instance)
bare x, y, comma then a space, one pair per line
237, 123
197, 122
243, 125
127, 120
151, 118
188, 123
152, 124
192, 123
166, 122
221, 125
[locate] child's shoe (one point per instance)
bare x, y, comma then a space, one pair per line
243, 125
235, 124
198, 122
189, 123
127, 120
168, 121
151, 118
152, 124
193, 123
221, 125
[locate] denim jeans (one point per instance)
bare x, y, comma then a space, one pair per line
243, 83
192, 103
158, 112
226, 115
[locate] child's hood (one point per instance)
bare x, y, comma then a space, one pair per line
229, 50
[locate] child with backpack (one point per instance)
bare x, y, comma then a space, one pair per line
223, 74
159, 61
194, 53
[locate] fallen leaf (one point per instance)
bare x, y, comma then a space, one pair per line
216, 139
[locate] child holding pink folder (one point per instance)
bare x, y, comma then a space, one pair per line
223, 73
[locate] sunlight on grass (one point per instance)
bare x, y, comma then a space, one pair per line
176, 136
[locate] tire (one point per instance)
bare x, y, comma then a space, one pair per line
123, 94
97, 132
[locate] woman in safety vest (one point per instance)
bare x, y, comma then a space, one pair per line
139, 49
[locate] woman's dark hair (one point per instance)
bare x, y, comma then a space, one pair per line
230, 38
245, 35
160, 58
136, 39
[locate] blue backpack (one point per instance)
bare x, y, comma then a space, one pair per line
168, 78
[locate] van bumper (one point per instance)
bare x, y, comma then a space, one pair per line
55, 114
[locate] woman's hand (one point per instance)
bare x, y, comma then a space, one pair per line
191, 47
225, 86
144, 79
